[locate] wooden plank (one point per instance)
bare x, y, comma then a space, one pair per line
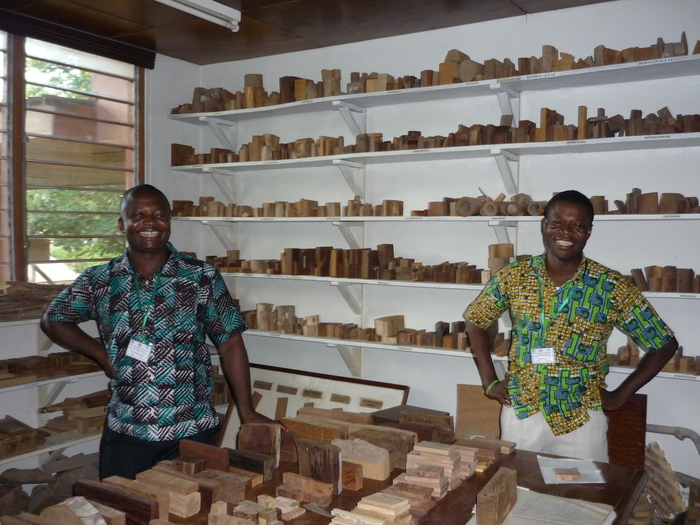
477, 415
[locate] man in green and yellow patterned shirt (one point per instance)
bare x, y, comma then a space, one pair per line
564, 307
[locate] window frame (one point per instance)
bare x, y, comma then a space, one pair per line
16, 152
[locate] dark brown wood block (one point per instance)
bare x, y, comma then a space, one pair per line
139, 510
261, 438
215, 458
319, 461
627, 432
252, 461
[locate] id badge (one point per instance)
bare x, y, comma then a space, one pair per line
543, 356
138, 350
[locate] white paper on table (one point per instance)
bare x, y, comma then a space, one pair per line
589, 472
533, 508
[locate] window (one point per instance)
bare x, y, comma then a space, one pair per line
79, 144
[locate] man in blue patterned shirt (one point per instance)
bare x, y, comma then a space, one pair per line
154, 307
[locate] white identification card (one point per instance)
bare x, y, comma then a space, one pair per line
543, 356
139, 350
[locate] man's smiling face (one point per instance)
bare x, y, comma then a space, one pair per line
145, 220
566, 231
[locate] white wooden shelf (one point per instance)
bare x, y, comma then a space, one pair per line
494, 220
359, 160
367, 282
619, 73
63, 380
54, 444
334, 343
338, 343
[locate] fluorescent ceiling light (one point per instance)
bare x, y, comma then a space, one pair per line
208, 10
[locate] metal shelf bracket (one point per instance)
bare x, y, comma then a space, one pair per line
354, 174
215, 124
223, 233
224, 181
509, 100
503, 161
355, 117
352, 293
353, 233
500, 228
352, 355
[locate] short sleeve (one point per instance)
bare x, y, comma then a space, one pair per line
490, 304
75, 304
639, 320
222, 320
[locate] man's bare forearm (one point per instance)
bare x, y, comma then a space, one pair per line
71, 337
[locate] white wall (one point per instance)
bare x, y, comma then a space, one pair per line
432, 379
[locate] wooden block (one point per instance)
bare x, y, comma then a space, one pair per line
74, 511
162, 496
649, 203
168, 482
189, 465
374, 460
398, 442
261, 438
469, 71
308, 484
671, 203
487, 448
207, 489
496, 499
226, 486
320, 461
449, 73
252, 461
214, 457
111, 515
567, 474
668, 279
389, 325
139, 510
351, 476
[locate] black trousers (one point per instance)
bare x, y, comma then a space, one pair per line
126, 456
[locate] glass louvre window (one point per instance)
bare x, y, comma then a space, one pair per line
5, 237
79, 158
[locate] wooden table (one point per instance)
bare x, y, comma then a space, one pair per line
621, 489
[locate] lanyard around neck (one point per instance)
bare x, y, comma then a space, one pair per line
152, 299
546, 320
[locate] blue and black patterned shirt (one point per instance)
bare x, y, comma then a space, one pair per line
170, 396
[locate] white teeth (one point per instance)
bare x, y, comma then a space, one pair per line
565, 244
149, 234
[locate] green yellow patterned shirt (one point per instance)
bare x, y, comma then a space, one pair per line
578, 320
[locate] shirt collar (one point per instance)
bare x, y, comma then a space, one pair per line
122, 265
538, 266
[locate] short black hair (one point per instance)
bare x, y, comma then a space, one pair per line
138, 189
573, 197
